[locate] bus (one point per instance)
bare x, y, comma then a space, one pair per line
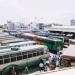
54, 44
21, 58
19, 44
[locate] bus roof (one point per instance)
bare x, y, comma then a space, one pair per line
11, 40
25, 48
48, 38
16, 44
23, 42
41, 37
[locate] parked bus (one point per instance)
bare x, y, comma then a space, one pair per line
19, 44
54, 44
21, 58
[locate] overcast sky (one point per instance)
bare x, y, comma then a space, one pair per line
58, 11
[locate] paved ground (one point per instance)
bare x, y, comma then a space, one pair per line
50, 71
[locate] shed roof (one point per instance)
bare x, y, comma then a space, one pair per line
69, 52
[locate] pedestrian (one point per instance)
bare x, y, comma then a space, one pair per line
41, 66
26, 70
46, 65
50, 59
54, 59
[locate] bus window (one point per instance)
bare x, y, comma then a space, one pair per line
41, 52
12, 55
19, 57
0, 57
34, 54
13, 59
15, 49
6, 56
53, 45
6, 60
34, 43
1, 62
18, 54
59, 45
29, 55
38, 53
24, 56
23, 53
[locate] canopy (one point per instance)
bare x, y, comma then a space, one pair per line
69, 52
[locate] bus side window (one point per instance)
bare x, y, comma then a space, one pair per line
1, 61
41, 52
34, 54
24, 55
12, 55
7, 60
19, 57
13, 59
6, 56
34, 43
38, 53
29, 55
1, 57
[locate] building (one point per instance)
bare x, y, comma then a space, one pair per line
72, 22
15, 27
40, 26
11, 25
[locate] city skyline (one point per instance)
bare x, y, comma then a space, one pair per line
57, 11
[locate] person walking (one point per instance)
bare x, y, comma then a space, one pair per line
54, 59
41, 67
13, 70
26, 70
46, 65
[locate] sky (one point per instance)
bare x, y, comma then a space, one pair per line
50, 11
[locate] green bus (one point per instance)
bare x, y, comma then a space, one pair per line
21, 58
54, 44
